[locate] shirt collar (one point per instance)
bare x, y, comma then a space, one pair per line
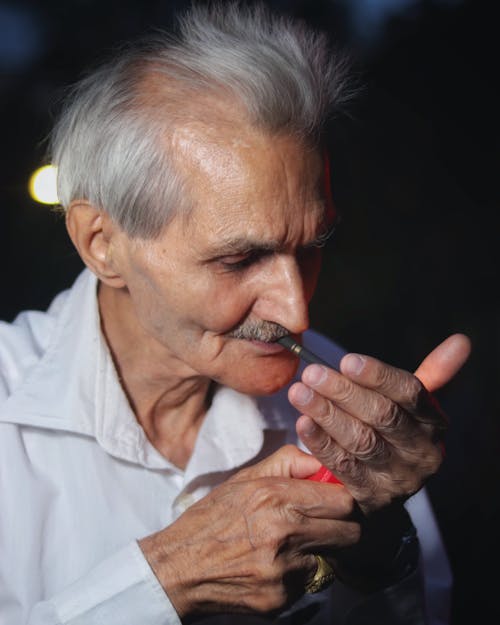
61, 398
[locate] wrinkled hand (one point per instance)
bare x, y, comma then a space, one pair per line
247, 546
376, 427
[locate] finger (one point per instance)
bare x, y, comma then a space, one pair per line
338, 397
401, 387
346, 466
396, 384
365, 401
444, 361
299, 497
351, 433
395, 472
287, 462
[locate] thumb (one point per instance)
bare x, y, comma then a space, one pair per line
439, 367
289, 461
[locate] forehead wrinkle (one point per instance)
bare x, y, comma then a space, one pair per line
203, 131
299, 196
256, 238
226, 159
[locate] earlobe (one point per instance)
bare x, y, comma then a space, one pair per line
92, 231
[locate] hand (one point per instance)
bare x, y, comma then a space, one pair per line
376, 427
247, 546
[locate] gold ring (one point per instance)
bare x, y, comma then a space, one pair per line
323, 577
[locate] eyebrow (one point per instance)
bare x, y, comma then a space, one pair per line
240, 245
243, 244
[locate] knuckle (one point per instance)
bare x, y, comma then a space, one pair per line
327, 412
265, 495
325, 447
273, 537
387, 377
345, 462
367, 444
382, 375
260, 494
343, 389
294, 513
389, 416
266, 572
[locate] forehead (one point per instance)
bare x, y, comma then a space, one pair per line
244, 182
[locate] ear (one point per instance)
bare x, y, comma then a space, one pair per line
93, 234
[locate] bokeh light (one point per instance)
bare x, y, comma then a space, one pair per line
42, 185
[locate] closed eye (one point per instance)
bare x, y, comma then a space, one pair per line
239, 262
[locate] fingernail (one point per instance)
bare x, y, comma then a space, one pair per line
302, 395
353, 364
314, 374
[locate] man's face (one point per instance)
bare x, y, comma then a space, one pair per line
212, 289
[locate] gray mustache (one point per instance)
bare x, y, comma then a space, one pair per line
265, 331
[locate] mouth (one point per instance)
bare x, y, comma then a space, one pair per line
269, 347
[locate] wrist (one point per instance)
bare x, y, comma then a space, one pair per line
163, 566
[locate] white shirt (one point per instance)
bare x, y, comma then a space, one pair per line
80, 483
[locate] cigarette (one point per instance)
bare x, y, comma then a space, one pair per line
302, 352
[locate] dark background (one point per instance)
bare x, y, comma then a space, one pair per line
414, 171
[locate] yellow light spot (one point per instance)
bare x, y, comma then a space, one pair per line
42, 185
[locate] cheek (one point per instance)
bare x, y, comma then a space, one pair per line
150, 309
224, 307
196, 303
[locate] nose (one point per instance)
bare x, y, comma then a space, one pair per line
283, 297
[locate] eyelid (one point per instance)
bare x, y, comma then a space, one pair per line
233, 259
242, 259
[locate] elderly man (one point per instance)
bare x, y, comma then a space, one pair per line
154, 440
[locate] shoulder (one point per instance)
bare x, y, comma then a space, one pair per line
24, 341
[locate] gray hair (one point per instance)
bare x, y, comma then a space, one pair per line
109, 142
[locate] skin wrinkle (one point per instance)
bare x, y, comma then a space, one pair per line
369, 446
183, 106
182, 302
263, 197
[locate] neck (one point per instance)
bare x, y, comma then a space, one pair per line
168, 401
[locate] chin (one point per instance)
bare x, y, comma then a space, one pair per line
265, 379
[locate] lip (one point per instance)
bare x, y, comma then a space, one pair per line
268, 348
